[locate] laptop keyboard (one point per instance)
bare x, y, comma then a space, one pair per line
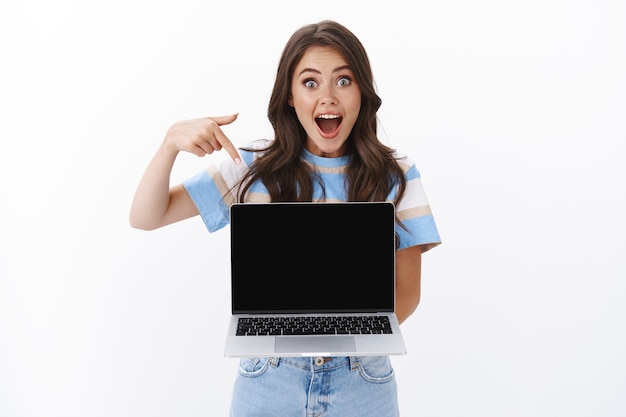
306, 325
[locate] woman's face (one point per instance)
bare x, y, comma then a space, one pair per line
326, 99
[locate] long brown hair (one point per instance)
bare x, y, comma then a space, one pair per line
372, 171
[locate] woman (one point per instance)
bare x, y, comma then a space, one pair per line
325, 149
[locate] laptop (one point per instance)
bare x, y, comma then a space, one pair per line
313, 279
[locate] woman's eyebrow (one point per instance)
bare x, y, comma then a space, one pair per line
338, 69
308, 70
342, 68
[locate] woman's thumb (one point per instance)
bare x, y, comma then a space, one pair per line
225, 120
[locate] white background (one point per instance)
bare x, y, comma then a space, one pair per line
513, 111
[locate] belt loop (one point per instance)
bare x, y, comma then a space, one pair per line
354, 363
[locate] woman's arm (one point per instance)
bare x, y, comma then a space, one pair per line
156, 204
408, 281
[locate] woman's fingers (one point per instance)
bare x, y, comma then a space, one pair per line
225, 120
203, 136
222, 140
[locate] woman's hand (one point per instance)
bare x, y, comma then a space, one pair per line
155, 203
201, 136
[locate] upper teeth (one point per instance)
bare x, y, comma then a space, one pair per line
328, 116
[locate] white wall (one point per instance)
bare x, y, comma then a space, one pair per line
514, 112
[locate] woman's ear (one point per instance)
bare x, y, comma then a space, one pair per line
290, 101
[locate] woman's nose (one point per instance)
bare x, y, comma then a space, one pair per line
328, 95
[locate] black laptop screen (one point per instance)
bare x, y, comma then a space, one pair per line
312, 257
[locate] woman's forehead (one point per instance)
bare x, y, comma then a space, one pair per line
321, 55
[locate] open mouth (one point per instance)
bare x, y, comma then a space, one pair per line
328, 123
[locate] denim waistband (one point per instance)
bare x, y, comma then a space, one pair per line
317, 363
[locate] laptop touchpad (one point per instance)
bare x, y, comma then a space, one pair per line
314, 344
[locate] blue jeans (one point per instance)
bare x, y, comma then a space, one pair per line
306, 387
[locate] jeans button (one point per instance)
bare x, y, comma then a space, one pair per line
319, 361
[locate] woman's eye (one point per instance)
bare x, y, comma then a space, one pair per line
344, 81
310, 84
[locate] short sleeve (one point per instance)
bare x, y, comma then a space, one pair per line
213, 190
414, 212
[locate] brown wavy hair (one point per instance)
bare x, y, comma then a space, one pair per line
372, 171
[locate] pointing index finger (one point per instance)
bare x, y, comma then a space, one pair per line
228, 146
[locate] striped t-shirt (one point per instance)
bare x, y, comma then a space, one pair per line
211, 191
